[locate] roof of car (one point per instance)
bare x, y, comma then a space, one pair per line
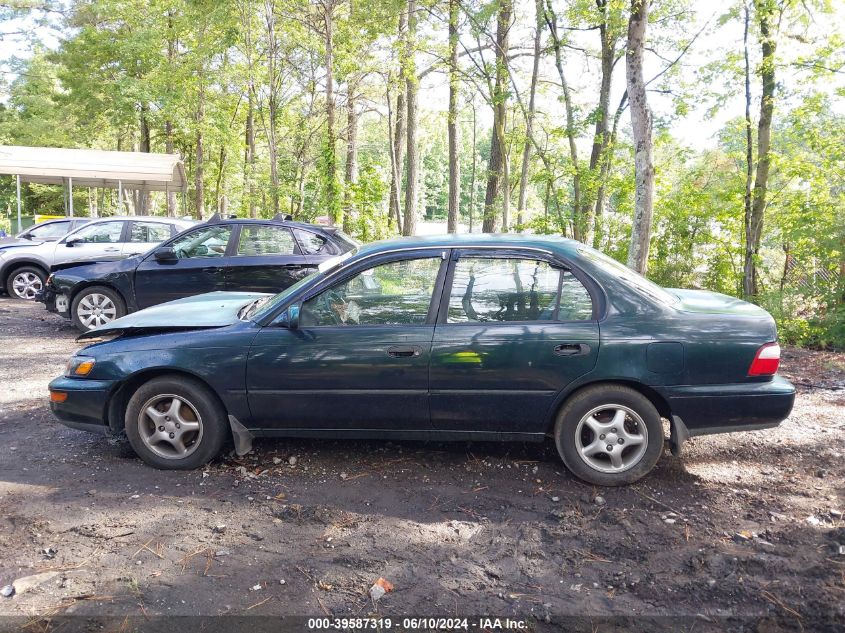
291, 223
469, 240
156, 218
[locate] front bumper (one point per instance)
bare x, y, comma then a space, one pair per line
706, 409
85, 407
56, 302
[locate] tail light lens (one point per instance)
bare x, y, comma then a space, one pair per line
766, 361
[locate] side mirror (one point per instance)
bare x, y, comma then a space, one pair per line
73, 242
165, 254
289, 318
293, 317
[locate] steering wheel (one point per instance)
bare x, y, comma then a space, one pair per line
332, 301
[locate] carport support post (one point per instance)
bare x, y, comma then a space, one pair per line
70, 195
18, 187
119, 196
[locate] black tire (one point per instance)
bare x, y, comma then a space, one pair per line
87, 298
202, 404
32, 286
595, 407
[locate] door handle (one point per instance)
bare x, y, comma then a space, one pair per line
572, 349
404, 352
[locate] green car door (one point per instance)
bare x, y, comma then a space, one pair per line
359, 354
514, 328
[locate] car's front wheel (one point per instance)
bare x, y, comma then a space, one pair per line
95, 306
175, 422
609, 435
25, 282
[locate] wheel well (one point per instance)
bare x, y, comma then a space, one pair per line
12, 267
655, 398
91, 284
119, 400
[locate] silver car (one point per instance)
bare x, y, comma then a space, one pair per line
48, 231
24, 268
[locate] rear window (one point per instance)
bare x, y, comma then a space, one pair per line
621, 271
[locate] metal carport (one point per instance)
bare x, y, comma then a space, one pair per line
92, 168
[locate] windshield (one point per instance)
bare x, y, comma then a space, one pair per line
264, 306
610, 265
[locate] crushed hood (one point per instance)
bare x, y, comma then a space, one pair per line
210, 310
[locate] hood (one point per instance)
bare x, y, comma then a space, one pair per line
211, 310
14, 242
706, 302
93, 270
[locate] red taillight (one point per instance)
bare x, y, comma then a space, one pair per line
766, 361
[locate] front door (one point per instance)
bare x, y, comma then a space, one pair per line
198, 267
359, 357
266, 259
514, 329
97, 242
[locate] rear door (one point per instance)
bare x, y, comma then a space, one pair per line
266, 258
96, 242
198, 268
514, 328
144, 235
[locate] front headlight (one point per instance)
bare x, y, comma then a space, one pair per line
79, 366
50, 279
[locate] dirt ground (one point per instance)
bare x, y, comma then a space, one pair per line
743, 532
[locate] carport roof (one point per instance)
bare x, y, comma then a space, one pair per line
94, 168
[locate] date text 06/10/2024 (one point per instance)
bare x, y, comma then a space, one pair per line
416, 624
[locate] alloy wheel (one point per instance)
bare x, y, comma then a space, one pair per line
611, 438
170, 426
95, 310
26, 284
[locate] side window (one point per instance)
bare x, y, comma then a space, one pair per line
102, 233
262, 239
396, 293
311, 243
575, 301
54, 229
504, 290
209, 241
148, 232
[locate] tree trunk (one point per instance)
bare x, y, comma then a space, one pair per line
199, 192
272, 101
754, 225
331, 134
641, 124
529, 119
409, 223
351, 172
249, 153
557, 45
591, 211
749, 138
398, 134
472, 173
221, 170
170, 149
496, 169
144, 145
454, 159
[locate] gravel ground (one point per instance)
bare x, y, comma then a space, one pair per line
743, 532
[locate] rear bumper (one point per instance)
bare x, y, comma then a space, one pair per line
706, 409
85, 407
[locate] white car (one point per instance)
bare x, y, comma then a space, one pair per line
24, 268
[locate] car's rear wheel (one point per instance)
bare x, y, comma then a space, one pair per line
609, 435
96, 306
173, 422
25, 282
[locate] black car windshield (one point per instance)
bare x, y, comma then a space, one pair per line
621, 271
